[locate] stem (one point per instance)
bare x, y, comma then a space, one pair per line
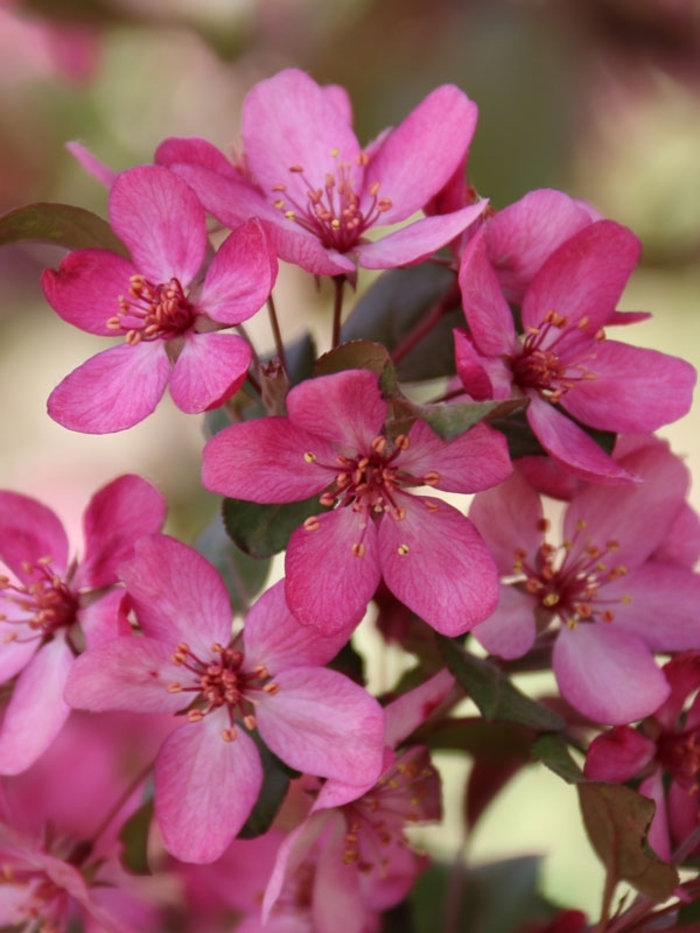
131, 787
686, 847
608, 894
338, 282
277, 334
441, 307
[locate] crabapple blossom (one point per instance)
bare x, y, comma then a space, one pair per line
335, 442
270, 677
171, 322
305, 175
52, 606
562, 363
615, 603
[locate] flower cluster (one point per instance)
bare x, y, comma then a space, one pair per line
281, 787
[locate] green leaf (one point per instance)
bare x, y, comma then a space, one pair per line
272, 793
243, 575
134, 836
552, 750
493, 692
617, 821
301, 356
264, 530
450, 419
391, 308
491, 742
60, 224
359, 354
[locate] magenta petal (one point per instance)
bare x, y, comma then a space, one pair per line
265, 461
634, 390
194, 150
86, 288
322, 723
177, 594
509, 518
607, 674
116, 516
585, 277
571, 446
476, 460
36, 711
682, 545
336, 793
411, 709
293, 244
436, 562
347, 551
273, 637
470, 368
618, 755
159, 218
658, 836
205, 788
293, 851
16, 652
418, 240
209, 369
487, 312
338, 903
105, 619
421, 154
29, 530
112, 391
241, 276
127, 673
345, 408
510, 632
92, 165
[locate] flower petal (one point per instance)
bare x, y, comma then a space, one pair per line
205, 788
209, 369
112, 391
510, 632
487, 312
509, 518
29, 531
409, 711
618, 755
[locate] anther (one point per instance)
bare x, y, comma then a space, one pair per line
402, 550
309, 456
358, 549
312, 523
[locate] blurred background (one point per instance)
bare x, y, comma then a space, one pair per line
600, 98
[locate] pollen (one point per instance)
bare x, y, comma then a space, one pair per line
309, 456
358, 549
402, 550
432, 478
312, 523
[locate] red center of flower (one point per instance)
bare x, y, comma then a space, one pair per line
679, 754
334, 212
46, 601
220, 682
45, 904
153, 312
539, 365
408, 793
368, 483
567, 579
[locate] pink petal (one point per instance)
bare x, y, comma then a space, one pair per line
294, 244
267, 460
160, 220
322, 723
405, 714
36, 711
116, 516
421, 154
336, 793
509, 518
209, 369
92, 165
345, 408
618, 755
572, 447
205, 788
606, 674
105, 619
476, 460
29, 530
292, 853
194, 150
112, 391
510, 632
287, 121
340, 99
658, 837
338, 904
86, 288
241, 276
337, 598
177, 594
435, 561
127, 673
634, 390
418, 240
487, 312
470, 368
16, 651
273, 637
585, 277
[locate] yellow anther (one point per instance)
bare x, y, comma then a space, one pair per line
581, 524
402, 550
358, 549
551, 599
403, 442
335, 152
309, 456
290, 215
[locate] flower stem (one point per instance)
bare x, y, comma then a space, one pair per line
443, 306
338, 282
276, 332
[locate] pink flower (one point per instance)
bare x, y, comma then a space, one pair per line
170, 323
208, 773
352, 849
615, 603
562, 360
318, 191
52, 605
335, 441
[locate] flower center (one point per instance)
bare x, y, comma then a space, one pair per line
539, 364
46, 601
220, 681
408, 793
335, 212
679, 754
567, 579
153, 312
